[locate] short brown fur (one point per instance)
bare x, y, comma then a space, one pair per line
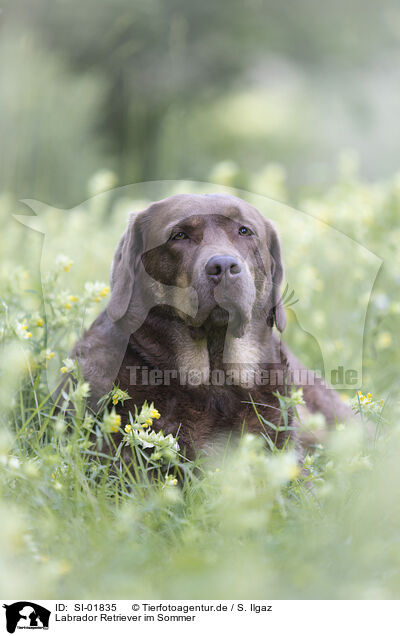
152, 322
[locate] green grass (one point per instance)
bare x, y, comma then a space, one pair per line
79, 520
77, 523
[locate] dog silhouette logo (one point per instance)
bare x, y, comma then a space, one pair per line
26, 615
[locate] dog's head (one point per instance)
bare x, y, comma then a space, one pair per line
217, 250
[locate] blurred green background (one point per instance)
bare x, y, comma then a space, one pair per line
165, 89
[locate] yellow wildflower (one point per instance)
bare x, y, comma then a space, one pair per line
63, 263
64, 567
296, 397
384, 340
64, 369
294, 471
112, 421
74, 299
40, 322
155, 414
68, 306
116, 423
118, 395
364, 398
128, 428
104, 292
22, 330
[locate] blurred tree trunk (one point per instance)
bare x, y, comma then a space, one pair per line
133, 127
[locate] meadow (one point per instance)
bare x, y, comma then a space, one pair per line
250, 523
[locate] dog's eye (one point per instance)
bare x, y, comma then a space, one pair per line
245, 231
179, 236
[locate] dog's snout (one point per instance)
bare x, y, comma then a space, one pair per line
219, 265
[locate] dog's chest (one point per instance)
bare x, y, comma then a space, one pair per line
200, 414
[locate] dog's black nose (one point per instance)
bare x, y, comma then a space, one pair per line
217, 266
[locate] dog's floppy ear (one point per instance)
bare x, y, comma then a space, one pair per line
123, 271
276, 312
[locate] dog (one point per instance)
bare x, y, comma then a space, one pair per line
193, 325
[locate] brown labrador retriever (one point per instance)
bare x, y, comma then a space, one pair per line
190, 323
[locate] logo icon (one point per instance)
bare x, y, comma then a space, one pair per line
26, 615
